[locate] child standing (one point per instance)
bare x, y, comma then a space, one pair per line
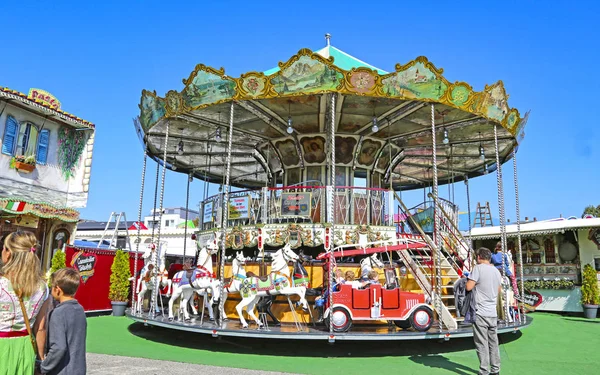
66, 327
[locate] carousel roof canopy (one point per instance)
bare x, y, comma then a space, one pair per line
382, 122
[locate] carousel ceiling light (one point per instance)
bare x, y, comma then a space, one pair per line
218, 135
180, 147
481, 153
485, 168
290, 129
191, 177
445, 140
375, 128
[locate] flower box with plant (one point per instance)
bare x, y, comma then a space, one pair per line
25, 164
590, 294
119, 282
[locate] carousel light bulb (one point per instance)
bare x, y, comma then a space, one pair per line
180, 147
191, 178
375, 128
445, 140
290, 130
173, 167
481, 153
485, 168
218, 135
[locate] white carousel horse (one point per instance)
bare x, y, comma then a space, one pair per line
278, 282
368, 264
187, 281
145, 282
238, 275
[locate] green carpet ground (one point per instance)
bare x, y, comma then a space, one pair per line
553, 344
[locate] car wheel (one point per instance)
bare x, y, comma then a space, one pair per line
342, 322
404, 324
421, 319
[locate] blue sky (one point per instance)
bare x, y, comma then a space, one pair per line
96, 57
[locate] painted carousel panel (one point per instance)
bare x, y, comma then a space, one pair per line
152, 109
306, 75
206, 88
417, 81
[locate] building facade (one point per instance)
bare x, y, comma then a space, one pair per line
173, 232
45, 167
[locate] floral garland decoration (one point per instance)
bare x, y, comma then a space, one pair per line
70, 148
555, 284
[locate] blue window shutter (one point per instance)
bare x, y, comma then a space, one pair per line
42, 147
10, 135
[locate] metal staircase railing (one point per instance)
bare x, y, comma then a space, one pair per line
417, 267
453, 239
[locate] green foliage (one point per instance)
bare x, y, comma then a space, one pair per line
549, 284
59, 260
70, 148
119, 277
591, 210
589, 287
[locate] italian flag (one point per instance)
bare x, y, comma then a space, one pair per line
15, 206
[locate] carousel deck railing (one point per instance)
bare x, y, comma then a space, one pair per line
301, 203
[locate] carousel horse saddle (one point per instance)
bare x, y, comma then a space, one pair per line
184, 277
261, 278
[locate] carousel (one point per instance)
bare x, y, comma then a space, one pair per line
303, 232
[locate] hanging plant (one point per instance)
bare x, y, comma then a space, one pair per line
70, 148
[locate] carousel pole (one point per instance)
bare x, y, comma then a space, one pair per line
470, 241
155, 199
162, 196
502, 218
225, 214
139, 239
436, 226
520, 252
331, 211
187, 205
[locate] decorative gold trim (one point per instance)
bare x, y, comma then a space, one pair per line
491, 103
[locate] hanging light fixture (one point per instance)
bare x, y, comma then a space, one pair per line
481, 150
191, 177
290, 129
485, 168
173, 166
218, 137
445, 140
180, 144
375, 128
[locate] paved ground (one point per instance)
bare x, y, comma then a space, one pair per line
102, 364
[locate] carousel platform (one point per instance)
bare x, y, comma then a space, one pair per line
382, 332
